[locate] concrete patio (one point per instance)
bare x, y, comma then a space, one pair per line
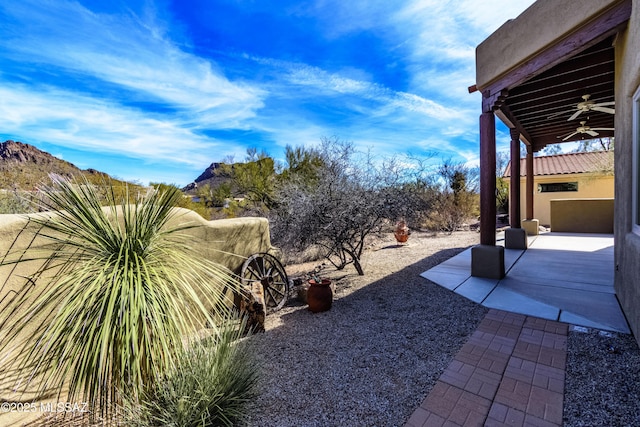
562, 276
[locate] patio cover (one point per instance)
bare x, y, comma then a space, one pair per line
532, 72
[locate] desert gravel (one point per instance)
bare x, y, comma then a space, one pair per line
602, 386
373, 358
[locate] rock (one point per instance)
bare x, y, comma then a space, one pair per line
253, 306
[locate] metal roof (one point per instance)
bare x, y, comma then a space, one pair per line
559, 164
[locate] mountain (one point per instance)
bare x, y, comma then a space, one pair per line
215, 175
238, 176
25, 167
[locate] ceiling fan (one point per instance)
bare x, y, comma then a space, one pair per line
587, 105
585, 129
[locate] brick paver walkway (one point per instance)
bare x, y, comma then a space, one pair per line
510, 373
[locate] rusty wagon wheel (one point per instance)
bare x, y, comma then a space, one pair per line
266, 269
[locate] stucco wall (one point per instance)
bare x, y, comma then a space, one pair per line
589, 187
582, 215
512, 43
627, 248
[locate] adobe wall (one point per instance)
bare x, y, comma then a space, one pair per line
627, 248
589, 187
582, 215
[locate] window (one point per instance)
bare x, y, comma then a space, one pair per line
636, 162
555, 187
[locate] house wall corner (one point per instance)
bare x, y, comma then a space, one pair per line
627, 247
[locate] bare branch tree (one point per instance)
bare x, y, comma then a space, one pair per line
337, 212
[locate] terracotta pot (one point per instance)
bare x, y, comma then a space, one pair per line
319, 295
401, 232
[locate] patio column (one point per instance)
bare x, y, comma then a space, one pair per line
529, 182
531, 225
487, 259
515, 237
487, 179
515, 215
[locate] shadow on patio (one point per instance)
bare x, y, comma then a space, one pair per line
562, 276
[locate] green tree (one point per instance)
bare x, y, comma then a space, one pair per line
185, 201
302, 164
256, 181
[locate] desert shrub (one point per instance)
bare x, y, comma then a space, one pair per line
210, 385
457, 200
502, 184
412, 201
122, 288
334, 211
449, 216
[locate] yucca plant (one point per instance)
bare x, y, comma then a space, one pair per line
212, 383
122, 289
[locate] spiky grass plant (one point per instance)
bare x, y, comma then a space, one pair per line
211, 384
122, 289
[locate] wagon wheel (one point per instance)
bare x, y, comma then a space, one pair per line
266, 269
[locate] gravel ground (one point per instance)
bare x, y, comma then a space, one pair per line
602, 386
373, 358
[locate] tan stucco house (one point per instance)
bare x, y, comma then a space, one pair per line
542, 74
568, 177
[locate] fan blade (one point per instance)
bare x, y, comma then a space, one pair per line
559, 114
602, 104
569, 136
574, 116
602, 128
604, 109
591, 132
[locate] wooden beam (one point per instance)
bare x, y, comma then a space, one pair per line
487, 179
511, 121
515, 215
529, 186
492, 102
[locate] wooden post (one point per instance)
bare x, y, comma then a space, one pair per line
529, 182
515, 215
487, 179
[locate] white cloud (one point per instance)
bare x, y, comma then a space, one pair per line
340, 17
453, 28
129, 52
386, 102
440, 37
68, 119
437, 37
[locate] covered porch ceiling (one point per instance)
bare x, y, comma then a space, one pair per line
534, 71
540, 108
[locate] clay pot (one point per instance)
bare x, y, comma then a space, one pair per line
401, 232
319, 295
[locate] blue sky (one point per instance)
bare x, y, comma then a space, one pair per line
158, 90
